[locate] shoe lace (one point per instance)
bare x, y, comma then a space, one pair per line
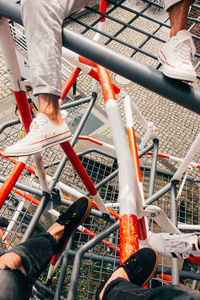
36, 126
185, 48
181, 247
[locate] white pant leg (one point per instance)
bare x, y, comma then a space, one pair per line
43, 28
169, 3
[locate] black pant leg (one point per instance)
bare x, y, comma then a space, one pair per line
14, 285
124, 290
35, 253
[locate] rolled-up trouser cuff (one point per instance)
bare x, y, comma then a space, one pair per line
46, 90
169, 3
35, 253
119, 283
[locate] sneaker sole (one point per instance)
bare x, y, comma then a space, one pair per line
40, 148
169, 72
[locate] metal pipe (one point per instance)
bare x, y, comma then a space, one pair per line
175, 268
24, 187
91, 243
159, 193
62, 272
177, 91
36, 217
153, 168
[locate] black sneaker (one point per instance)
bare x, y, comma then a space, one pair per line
74, 216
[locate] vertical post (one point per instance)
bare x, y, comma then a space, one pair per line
128, 187
153, 168
142, 224
175, 267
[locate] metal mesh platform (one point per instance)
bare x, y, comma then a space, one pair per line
100, 260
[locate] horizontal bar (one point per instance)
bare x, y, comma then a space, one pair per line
176, 91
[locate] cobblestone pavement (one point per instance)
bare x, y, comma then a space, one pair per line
176, 126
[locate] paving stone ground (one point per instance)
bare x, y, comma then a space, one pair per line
176, 126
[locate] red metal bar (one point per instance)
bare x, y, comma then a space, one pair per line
26, 196
69, 82
102, 9
95, 75
128, 237
87, 61
10, 182
90, 140
195, 260
106, 84
134, 152
71, 154
142, 233
25, 113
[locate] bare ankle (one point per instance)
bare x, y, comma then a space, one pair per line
56, 230
49, 105
13, 261
118, 273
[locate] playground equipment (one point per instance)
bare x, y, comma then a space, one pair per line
31, 188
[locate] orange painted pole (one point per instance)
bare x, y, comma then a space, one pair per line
128, 221
10, 182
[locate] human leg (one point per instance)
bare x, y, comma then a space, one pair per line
43, 28
178, 14
120, 288
138, 269
127, 281
176, 54
30, 258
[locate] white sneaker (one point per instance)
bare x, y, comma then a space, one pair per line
176, 56
175, 245
43, 133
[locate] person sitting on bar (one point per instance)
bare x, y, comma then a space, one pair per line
43, 28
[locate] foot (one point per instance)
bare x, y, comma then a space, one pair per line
69, 221
176, 56
118, 273
139, 268
175, 245
12, 261
43, 133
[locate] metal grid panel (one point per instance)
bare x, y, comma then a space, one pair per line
98, 165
